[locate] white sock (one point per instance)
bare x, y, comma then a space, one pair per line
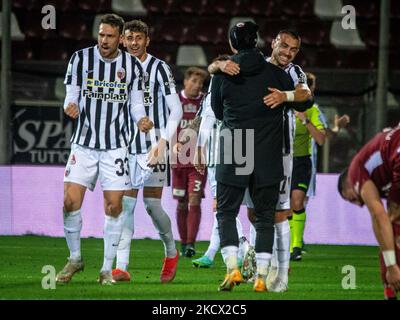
274, 258
213, 247
229, 254
239, 228
163, 224
262, 259
112, 234
124, 247
72, 230
253, 234
282, 230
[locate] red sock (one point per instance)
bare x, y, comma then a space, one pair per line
181, 219
193, 223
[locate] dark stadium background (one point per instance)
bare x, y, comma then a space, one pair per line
345, 61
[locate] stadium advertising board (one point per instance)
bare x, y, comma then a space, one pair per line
41, 135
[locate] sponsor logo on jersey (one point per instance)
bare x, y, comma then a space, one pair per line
185, 123
107, 97
190, 108
94, 83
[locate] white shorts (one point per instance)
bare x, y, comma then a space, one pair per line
85, 165
284, 193
212, 181
143, 176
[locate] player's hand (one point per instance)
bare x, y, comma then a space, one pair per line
72, 110
301, 115
229, 67
342, 122
393, 277
275, 98
199, 160
157, 154
145, 124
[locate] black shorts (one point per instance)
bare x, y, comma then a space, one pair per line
301, 174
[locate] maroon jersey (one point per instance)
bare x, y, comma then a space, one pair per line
379, 161
190, 107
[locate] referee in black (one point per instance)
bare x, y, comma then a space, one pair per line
238, 102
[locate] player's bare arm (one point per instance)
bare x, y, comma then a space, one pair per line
72, 110
226, 66
276, 97
200, 159
383, 230
317, 134
157, 153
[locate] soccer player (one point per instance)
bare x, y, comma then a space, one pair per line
205, 129
147, 152
339, 122
285, 47
187, 183
374, 173
103, 86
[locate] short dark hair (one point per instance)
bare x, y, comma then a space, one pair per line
222, 57
342, 181
195, 71
311, 78
291, 33
113, 20
137, 26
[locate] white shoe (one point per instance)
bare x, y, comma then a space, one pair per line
272, 276
278, 286
106, 278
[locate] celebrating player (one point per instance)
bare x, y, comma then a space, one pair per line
374, 173
147, 152
103, 86
187, 183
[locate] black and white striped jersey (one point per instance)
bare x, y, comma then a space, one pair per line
289, 119
158, 83
105, 97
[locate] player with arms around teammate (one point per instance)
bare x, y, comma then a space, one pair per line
187, 183
374, 173
147, 152
103, 86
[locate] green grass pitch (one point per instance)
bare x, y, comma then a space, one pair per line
318, 276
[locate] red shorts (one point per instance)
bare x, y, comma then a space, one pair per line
186, 181
396, 235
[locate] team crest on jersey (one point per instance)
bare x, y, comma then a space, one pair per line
189, 108
121, 73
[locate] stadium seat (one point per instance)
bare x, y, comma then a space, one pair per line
345, 38
62, 6
33, 27
164, 7
198, 7
234, 20
73, 26
27, 5
359, 60
314, 32
299, 9
54, 50
191, 56
228, 7
328, 58
369, 33
22, 50
270, 30
129, 7
328, 9
95, 6
164, 52
211, 31
15, 31
365, 9
175, 30
264, 8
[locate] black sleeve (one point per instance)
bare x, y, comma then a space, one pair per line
216, 98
